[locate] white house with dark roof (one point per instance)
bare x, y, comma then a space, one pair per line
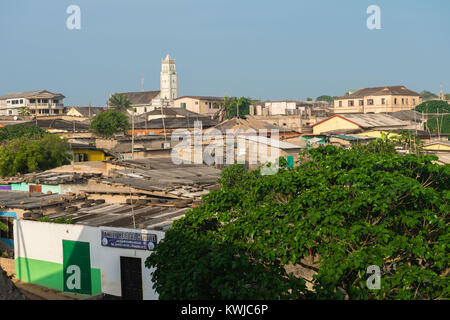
40, 102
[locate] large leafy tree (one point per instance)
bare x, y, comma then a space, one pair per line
19, 131
233, 104
109, 122
442, 123
434, 106
24, 155
120, 102
349, 209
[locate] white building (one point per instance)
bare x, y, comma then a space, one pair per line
146, 101
40, 102
169, 80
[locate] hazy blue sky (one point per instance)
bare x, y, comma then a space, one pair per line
260, 49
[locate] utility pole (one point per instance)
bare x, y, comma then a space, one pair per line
164, 124
132, 134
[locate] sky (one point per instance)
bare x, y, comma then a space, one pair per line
269, 50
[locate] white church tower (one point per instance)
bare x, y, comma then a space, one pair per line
169, 80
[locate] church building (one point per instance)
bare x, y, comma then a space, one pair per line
146, 101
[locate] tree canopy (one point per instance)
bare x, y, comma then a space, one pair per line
349, 209
120, 102
19, 130
433, 106
25, 154
325, 98
231, 105
442, 122
109, 122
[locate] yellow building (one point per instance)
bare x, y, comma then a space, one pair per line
377, 100
437, 146
82, 153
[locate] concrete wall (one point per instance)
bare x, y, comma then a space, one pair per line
38, 253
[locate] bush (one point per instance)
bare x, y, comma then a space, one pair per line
433, 106
19, 130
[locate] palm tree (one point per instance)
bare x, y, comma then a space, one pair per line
120, 102
24, 111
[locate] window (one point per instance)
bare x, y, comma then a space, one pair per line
55, 101
44, 100
406, 100
350, 103
395, 100
370, 102
21, 101
383, 101
340, 103
56, 111
361, 102
414, 101
81, 157
196, 102
284, 123
403, 101
10, 112
183, 105
32, 100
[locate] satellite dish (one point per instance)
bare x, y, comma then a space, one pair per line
15, 118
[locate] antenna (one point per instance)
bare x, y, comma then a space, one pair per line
142, 82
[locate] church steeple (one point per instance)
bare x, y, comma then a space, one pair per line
169, 80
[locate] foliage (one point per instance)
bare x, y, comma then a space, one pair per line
120, 102
442, 121
19, 130
24, 155
109, 122
434, 106
61, 220
325, 98
350, 208
24, 111
3, 227
232, 104
309, 99
427, 94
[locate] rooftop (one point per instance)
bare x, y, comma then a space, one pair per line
380, 91
31, 94
140, 97
367, 121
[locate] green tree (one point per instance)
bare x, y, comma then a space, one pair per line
19, 131
109, 122
24, 111
442, 122
309, 99
232, 104
120, 102
24, 155
350, 209
325, 98
427, 95
434, 106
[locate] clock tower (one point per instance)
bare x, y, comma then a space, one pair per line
168, 81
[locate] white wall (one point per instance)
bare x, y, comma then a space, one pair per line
43, 241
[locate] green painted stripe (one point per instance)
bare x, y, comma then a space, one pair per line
49, 274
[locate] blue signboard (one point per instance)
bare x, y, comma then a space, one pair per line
128, 240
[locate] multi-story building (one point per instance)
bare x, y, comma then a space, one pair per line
40, 102
377, 100
200, 104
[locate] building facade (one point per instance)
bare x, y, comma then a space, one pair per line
200, 104
168, 80
40, 102
377, 100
